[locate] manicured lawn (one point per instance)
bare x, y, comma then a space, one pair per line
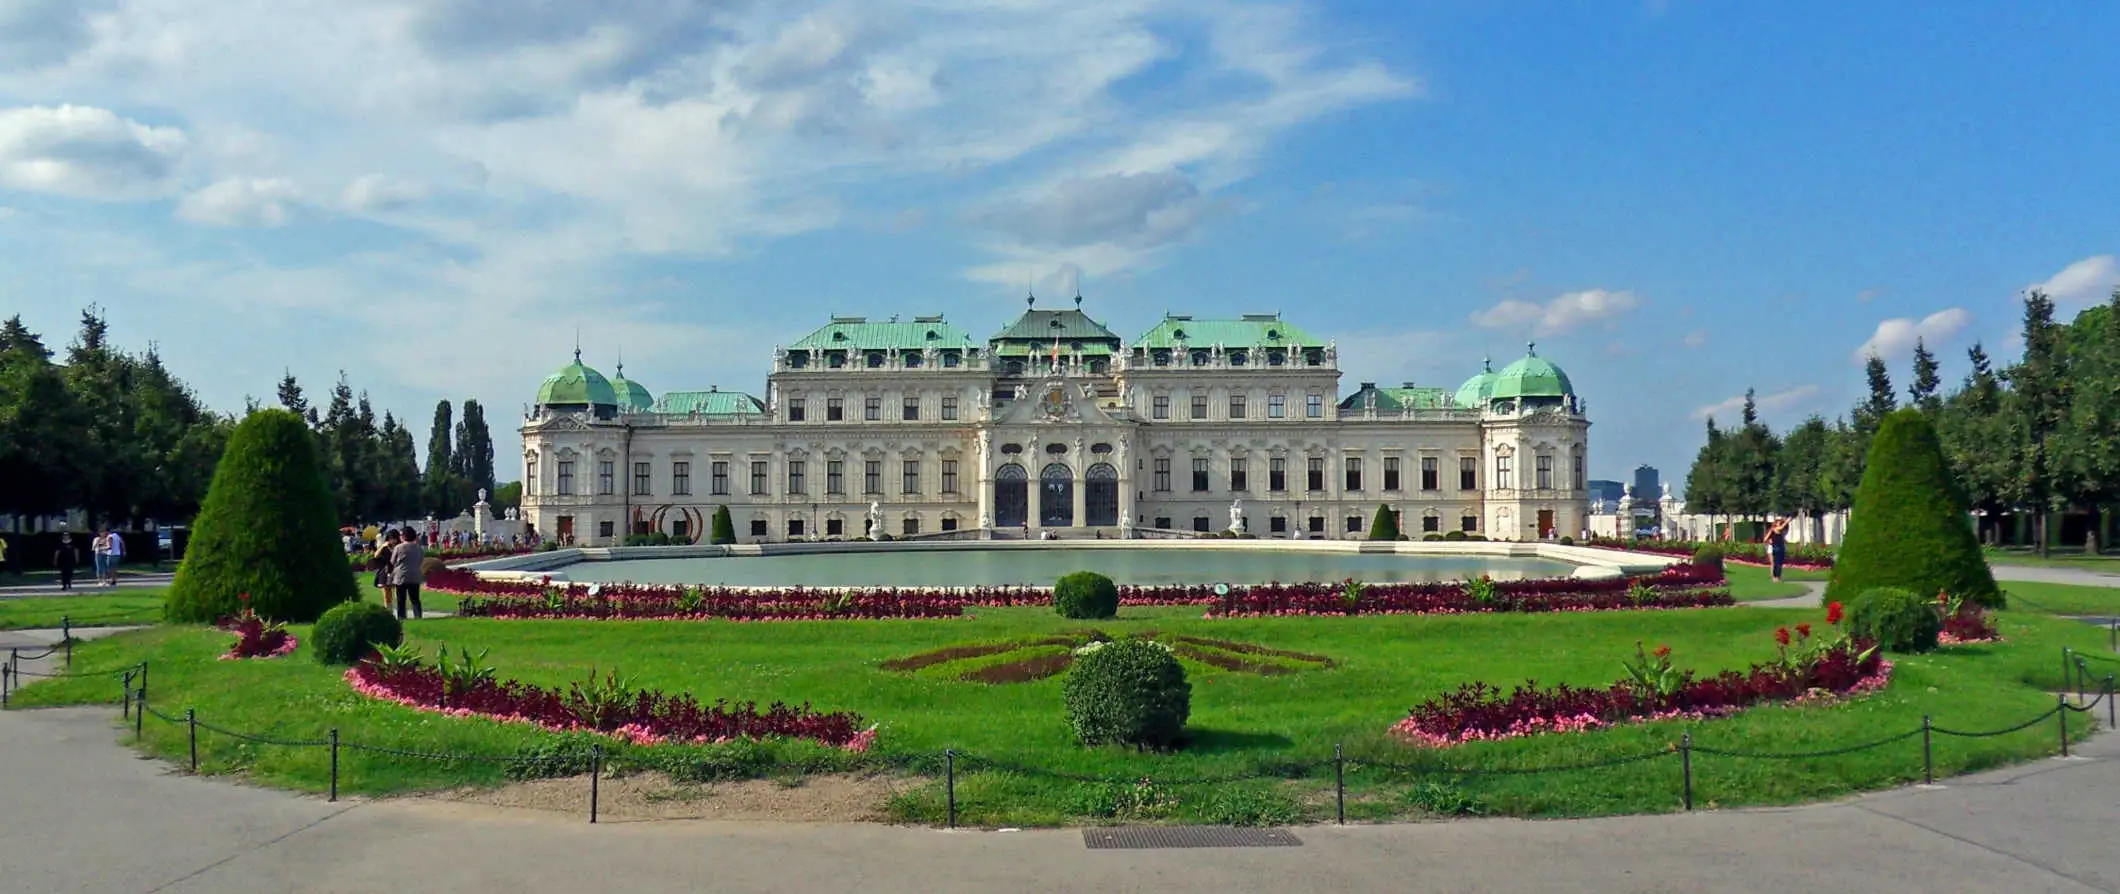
1749, 584
2074, 558
2062, 599
90, 608
1242, 724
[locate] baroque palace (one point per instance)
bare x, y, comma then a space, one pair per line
1057, 427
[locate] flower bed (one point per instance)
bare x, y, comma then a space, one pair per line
644, 717
1681, 586
1801, 556
1964, 622
1806, 670
360, 560
256, 637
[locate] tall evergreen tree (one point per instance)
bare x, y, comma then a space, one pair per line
1881, 401
441, 467
43, 430
1926, 382
473, 456
2041, 384
1800, 472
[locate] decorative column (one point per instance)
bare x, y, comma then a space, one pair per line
985, 454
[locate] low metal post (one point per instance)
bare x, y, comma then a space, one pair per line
949, 772
7, 675
1928, 754
1339, 782
596, 772
2061, 701
143, 682
2068, 669
334, 763
2110, 715
126, 711
140, 716
1685, 761
66, 638
191, 722
2112, 627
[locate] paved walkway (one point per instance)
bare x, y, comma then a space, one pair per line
2082, 577
85, 587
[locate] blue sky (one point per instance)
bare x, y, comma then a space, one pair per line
1677, 199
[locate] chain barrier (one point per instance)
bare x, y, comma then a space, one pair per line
1802, 755
1434, 770
66, 675
2000, 732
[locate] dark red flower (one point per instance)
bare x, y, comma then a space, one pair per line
1803, 631
1834, 613
1663, 651
1781, 635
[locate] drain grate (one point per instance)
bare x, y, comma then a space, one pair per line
1143, 837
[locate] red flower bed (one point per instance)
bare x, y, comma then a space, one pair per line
1964, 622
643, 717
1680, 586
256, 637
1806, 557
622, 602
361, 559
1655, 691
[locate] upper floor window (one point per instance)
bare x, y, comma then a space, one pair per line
949, 476
1199, 406
794, 409
1236, 475
681, 478
1236, 406
1162, 474
1160, 405
606, 477
1430, 474
872, 476
797, 477
1544, 471
530, 475
872, 409
1199, 475
1314, 406
1468, 473
1276, 406
566, 478
1354, 473
834, 409
643, 479
949, 406
1316, 474
720, 480
1505, 472
1277, 474
911, 411
758, 477
835, 481
1391, 473
1579, 471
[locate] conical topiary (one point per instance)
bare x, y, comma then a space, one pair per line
1385, 526
1910, 527
268, 530
724, 529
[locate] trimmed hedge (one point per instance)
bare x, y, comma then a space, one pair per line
1898, 619
348, 632
1709, 557
1910, 527
1129, 692
724, 531
268, 529
1086, 595
1386, 524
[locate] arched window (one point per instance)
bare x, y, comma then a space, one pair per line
1101, 497
1056, 496
1011, 496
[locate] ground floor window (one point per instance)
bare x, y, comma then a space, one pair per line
1316, 523
794, 527
1163, 523
949, 524
604, 529
1354, 523
1200, 523
758, 527
680, 528
1431, 523
835, 527
1277, 525
1469, 523
912, 525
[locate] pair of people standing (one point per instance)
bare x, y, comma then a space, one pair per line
109, 549
397, 570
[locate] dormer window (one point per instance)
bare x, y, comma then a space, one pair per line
836, 361
875, 359
912, 360
1237, 358
950, 359
1160, 357
1313, 358
1178, 334
1273, 334
1199, 358
839, 336
1276, 358
798, 360
931, 336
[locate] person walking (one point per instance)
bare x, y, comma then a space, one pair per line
1778, 545
114, 554
66, 559
3, 554
405, 572
99, 553
379, 562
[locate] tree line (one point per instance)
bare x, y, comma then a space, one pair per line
2036, 438
119, 437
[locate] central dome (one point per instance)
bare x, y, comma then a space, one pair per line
1532, 376
577, 385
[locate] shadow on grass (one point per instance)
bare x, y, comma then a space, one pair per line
1216, 741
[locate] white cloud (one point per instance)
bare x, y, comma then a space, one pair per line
241, 202
1566, 313
2088, 281
1696, 338
380, 193
1895, 337
1780, 401
86, 152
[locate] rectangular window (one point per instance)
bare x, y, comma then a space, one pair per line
794, 409
1316, 477
566, 478
606, 477
949, 406
872, 476
798, 472
949, 524
1276, 406
1200, 523
912, 525
1236, 406
758, 476
1504, 472
605, 530
1391, 473
1277, 525
758, 527
1199, 406
794, 527
643, 479
1314, 406
949, 476
1161, 404
1163, 477
1236, 476
835, 527
681, 479
1354, 523
1431, 524
872, 409
911, 412
1277, 474
1163, 523
1354, 473
1316, 524
1199, 478
530, 476
1578, 471
1430, 473
910, 477
1469, 523
1544, 471
720, 470
1468, 473
835, 479
835, 409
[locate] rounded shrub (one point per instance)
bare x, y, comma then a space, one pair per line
1910, 527
1567, 540
1130, 692
1086, 595
1453, 535
267, 529
1431, 537
1898, 619
1709, 556
348, 632
432, 565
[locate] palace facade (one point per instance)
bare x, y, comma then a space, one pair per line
1056, 426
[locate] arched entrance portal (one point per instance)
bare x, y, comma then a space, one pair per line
1101, 496
1056, 496
1012, 499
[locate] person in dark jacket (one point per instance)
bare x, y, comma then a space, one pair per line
66, 560
405, 574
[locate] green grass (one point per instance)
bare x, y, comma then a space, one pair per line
2062, 599
90, 608
1750, 584
2058, 558
1280, 727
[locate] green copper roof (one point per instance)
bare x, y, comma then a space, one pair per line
1476, 390
1392, 400
1040, 327
632, 396
1532, 376
1248, 331
858, 334
709, 403
576, 384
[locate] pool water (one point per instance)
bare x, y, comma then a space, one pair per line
976, 567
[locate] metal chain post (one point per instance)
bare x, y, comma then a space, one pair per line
1685, 760
1339, 782
949, 768
334, 763
143, 681
7, 674
140, 716
2068, 667
2110, 716
191, 721
596, 772
126, 711
66, 638
2061, 699
1928, 754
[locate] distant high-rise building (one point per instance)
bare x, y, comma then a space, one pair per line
1648, 485
1607, 492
